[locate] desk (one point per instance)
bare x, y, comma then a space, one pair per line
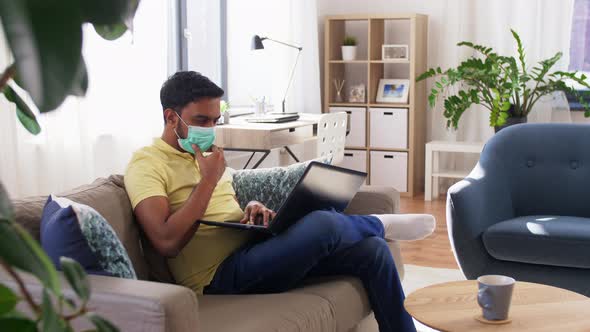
432, 171
240, 135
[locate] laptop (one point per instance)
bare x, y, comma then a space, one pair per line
273, 118
322, 187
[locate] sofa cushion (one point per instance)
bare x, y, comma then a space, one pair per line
108, 197
546, 240
77, 231
265, 312
346, 296
270, 186
61, 236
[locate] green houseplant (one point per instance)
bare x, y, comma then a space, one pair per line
349, 48
45, 38
502, 84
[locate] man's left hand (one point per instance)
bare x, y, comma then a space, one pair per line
257, 214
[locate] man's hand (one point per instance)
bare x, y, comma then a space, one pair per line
258, 214
212, 167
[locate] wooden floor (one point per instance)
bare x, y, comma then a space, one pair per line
434, 251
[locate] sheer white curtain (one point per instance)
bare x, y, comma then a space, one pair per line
266, 72
543, 25
93, 136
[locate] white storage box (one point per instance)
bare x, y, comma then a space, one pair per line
390, 169
355, 159
356, 137
389, 128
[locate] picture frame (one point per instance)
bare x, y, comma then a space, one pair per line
357, 93
393, 91
395, 52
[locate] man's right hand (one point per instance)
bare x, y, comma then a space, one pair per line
212, 167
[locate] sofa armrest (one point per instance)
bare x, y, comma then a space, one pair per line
131, 305
473, 205
374, 200
379, 200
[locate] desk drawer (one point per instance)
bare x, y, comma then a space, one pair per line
261, 139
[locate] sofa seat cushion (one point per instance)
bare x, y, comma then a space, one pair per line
346, 296
265, 312
546, 240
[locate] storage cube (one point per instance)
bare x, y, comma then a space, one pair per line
390, 169
356, 118
389, 128
355, 159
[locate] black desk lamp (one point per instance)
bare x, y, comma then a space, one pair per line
257, 45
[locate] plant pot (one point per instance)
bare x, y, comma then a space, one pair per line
512, 120
348, 53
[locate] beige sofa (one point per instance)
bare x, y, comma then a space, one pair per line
332, 304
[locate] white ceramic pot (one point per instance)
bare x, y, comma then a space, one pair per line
348, 53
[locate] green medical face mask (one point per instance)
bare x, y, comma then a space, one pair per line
203, 137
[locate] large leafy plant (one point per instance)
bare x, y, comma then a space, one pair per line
45, 37
502, 84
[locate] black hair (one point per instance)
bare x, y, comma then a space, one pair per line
185, 87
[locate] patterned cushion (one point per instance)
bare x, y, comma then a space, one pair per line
270, 186
78, 231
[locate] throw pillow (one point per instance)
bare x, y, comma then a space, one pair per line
270, 186
79, 232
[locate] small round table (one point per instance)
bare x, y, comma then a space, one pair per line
452, 306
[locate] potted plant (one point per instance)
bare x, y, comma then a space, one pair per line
349, 48
502, 84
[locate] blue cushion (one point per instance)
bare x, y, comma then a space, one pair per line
79, 232
546, 240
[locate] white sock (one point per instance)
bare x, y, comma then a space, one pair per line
407, 227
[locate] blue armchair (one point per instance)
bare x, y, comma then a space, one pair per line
524, 211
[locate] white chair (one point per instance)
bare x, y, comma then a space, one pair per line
331, 136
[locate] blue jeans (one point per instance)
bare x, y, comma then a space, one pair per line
323, 243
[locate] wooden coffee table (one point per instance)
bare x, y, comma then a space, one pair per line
453, 307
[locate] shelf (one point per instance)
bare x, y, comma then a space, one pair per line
451, 174
389, 105
404, 61
388, 149
372, 32
349, 61
360, 148
348, 104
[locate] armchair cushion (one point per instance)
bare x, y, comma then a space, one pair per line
546, 240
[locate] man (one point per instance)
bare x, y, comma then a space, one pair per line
172, 185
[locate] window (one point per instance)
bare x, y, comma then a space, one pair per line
580, 48
580, 41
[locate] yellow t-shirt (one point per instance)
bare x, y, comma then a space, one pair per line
161, 170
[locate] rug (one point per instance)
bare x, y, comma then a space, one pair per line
417, 277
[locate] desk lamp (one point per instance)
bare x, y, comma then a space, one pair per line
257, 45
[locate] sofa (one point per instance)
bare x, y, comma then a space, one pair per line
524, 210
155, 303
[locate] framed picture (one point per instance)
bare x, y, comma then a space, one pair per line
357, 94
393, 91
394, 52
